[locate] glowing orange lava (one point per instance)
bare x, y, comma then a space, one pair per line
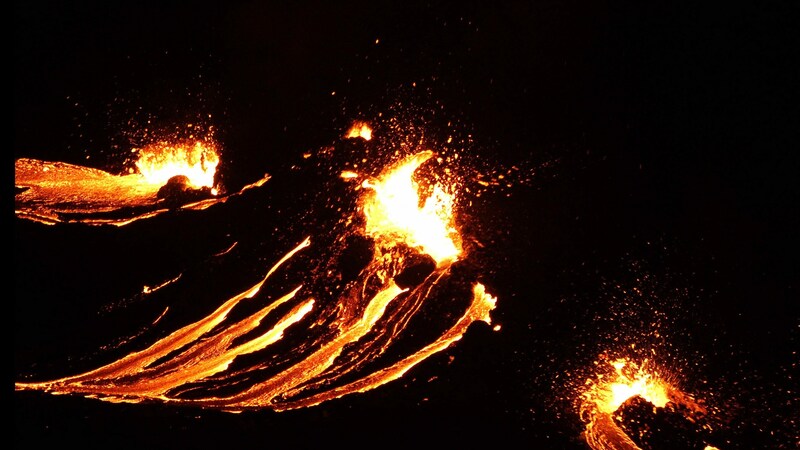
629, 381
394, 213
53, 192
197, 160
603, 396
360, 130
347, 334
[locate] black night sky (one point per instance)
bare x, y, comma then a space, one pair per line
661, 143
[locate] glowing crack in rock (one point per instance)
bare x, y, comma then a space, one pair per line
603, 396
338, 341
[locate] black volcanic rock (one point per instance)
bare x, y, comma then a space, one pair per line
654, 428
418, 267
178, 191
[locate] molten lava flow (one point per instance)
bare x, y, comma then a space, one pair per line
604, 396
56, 192
198, 160
360, 129
337, 342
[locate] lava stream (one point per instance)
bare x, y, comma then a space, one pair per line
338, 345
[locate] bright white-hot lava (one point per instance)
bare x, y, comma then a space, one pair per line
53, 192
604, 395
393, 212
629, 381
360, 130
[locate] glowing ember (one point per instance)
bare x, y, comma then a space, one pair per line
393, 212
348, 331
360, 129
161, 161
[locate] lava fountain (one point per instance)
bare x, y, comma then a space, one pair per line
167, 174
196, 160
300, 347
360, 130
618, 382
393, 213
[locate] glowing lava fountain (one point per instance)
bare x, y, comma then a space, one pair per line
197, 161
604, 396
168, 174
298, 349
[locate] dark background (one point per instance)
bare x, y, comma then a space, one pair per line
657, 148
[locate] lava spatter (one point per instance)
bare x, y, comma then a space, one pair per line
622, 385
167, 175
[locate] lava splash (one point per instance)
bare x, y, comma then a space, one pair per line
622, 384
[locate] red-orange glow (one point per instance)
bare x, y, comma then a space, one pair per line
360, 129
197, 160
